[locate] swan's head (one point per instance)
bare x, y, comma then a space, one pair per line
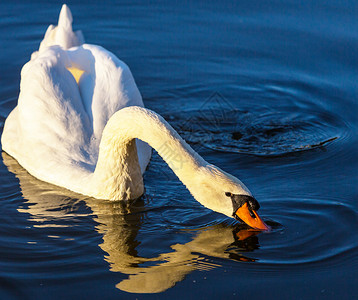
226, 194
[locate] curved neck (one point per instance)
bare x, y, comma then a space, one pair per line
117, 174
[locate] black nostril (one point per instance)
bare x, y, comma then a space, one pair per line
252, 213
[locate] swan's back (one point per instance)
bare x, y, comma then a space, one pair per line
55, 130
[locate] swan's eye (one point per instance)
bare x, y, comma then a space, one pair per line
228, 194
253, 204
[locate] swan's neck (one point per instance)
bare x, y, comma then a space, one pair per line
118, 174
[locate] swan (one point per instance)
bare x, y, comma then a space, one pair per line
80, 123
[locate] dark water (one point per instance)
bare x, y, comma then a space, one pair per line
266, 90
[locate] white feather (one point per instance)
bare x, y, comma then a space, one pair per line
78, 116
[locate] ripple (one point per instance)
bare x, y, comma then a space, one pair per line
260, 131
188, 217
312, 231
185, 239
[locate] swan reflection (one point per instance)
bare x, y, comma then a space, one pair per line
119, 224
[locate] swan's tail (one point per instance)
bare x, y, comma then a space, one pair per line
62, 34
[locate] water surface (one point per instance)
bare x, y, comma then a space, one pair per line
266, 90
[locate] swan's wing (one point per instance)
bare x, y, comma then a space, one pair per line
60, 122
106, 86
47, 131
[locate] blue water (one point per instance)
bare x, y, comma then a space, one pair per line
266, 90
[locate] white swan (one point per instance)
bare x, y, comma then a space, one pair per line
77, 124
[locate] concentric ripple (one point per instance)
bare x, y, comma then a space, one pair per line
311, 231
304, 231
260, 131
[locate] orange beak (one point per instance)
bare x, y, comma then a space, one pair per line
255, 222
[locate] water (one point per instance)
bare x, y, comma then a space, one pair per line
266, 90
